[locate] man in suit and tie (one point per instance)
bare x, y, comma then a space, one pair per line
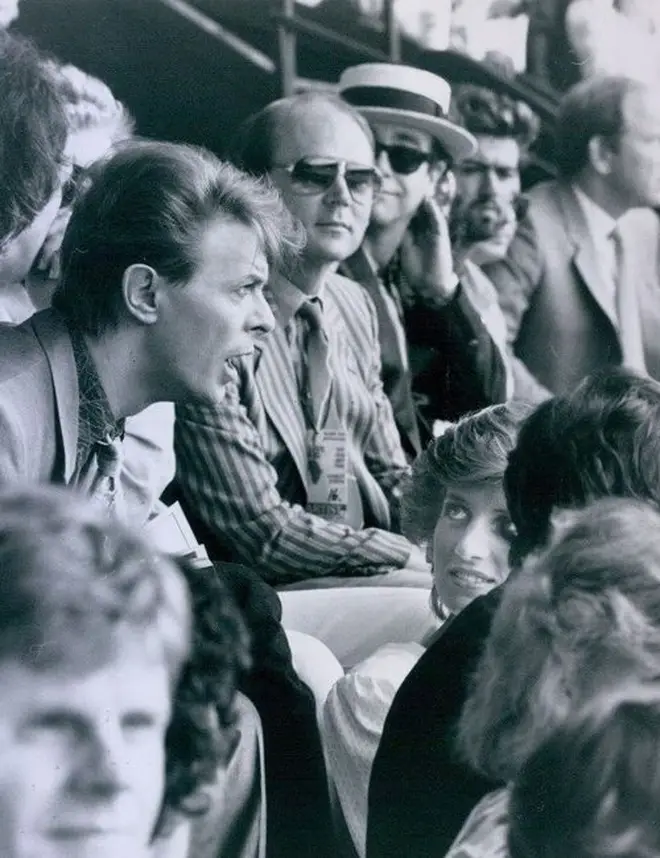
579, 286
298, 467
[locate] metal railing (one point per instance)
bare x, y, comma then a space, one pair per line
289, 25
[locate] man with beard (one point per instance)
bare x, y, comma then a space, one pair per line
487, 202
486, 207
425, 313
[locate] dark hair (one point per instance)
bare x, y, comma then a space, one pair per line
591, 108
483, 111
33, 133
602, 440
582, 619
473, 450
72, 581
195, 747
149, 203
252, 148
592, 789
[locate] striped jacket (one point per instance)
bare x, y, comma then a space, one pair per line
242, 462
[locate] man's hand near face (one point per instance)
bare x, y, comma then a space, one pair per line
426, 255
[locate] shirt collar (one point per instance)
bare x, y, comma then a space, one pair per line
97, 424
289, 298
599, 222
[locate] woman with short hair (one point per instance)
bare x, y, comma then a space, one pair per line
582, 620
454, 507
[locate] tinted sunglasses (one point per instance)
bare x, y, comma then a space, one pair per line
318, 175
404, 160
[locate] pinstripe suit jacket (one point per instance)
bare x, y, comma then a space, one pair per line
242, 462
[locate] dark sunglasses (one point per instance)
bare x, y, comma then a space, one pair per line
318, 175
404, 160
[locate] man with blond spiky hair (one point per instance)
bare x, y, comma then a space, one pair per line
94, 636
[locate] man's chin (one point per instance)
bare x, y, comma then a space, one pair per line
483, 252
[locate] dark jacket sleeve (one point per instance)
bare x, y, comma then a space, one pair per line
298, 820
463, 369
420, 791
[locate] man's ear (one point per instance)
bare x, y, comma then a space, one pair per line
141, 290
600, 155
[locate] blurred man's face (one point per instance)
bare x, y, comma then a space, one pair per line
487, 187
17, 256
19, 253
82, 758
635, 165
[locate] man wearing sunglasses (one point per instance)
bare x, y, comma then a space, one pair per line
298, 468
405, 262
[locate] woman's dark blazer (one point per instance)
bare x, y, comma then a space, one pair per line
420, 792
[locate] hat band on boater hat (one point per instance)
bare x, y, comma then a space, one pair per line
408, 97
395, 99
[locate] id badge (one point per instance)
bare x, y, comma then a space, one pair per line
327, 490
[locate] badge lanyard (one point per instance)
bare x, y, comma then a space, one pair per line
332, 492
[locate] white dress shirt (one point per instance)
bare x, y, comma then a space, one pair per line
600, 225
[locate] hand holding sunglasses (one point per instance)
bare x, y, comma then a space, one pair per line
426, 255
318, 175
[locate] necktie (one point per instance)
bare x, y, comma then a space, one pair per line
317, 376
627, 309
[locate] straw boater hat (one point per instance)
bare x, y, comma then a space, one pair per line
412, 97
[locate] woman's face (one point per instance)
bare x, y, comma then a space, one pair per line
470, 547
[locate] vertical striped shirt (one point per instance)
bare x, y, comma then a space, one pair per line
242, 462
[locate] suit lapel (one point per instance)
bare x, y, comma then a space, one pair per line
584, 257
395, 371
54, 338
276, 382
